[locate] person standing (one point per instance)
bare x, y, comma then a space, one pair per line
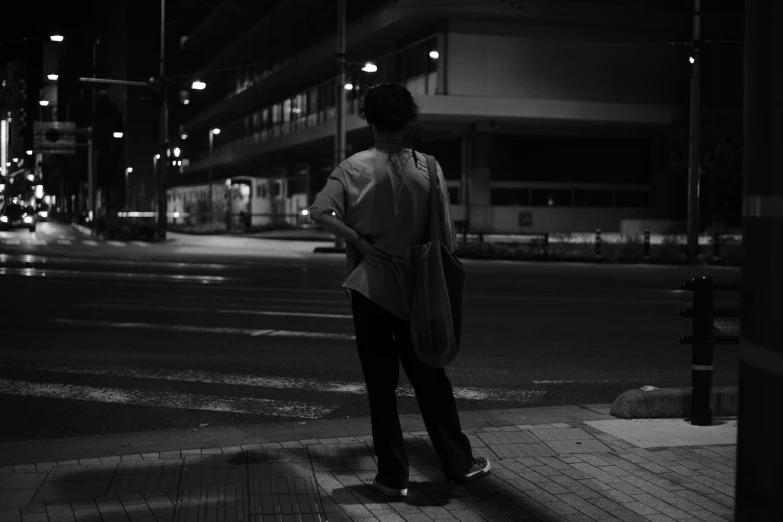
378, 201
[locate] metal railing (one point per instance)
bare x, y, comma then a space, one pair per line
703, 341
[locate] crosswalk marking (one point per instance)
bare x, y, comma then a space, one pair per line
167, 399
65, 240
289, 383
237, 311
205, 329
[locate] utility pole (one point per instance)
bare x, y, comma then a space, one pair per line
91, 147
759, 451
694, 149
162, 164
339, 138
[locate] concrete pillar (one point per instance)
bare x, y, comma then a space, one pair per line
760, 451
479, 177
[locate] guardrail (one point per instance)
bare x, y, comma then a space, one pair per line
703, 341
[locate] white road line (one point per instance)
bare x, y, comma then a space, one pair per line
205, 329
140, 243
38, 242
310, 385
13, 242
586, 381
82, 274
63, 242
237, 311
116, 243
90, 242
166, 399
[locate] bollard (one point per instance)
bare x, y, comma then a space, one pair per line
597, 242
716, 244
646, 242
703, 344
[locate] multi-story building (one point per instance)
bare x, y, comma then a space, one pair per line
545, 116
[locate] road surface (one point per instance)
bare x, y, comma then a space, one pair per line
108, 337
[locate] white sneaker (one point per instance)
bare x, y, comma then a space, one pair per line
480, 469
392, 492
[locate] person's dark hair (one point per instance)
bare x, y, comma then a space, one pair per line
389, 107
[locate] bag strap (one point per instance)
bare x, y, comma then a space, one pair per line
432, 167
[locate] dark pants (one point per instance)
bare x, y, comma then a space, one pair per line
383, 340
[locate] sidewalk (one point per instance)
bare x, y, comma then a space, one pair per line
548, 464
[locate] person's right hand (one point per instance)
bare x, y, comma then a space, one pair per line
372, 254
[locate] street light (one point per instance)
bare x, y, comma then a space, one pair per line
29, 152
57, 38
129, 170
52, 77
43, 103
212, 133
177, 152
117, 135
434, 55
198, 85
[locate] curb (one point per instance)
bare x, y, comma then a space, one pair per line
665, 403
82, 229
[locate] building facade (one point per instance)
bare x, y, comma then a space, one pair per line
545, 117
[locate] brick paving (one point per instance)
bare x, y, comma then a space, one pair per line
546, 472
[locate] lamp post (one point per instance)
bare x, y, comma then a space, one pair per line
212, 133
127, 187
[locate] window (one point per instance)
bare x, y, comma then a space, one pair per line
593, 198
509, 196
455, 194
312, 101
551, 197
632, 198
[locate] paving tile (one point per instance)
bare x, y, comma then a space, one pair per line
504, 437
35, 517
561, 434
597, 514
59, 511
24, 468
616, 496
10, 515
9, 481
662, 507
537, 449
154, 455
16, 498
659, 518
578, 446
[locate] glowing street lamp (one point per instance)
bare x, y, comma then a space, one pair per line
198, 85
57, 38
52, 77
43, 103
370, 67
434, 55
29, 153
117, 135
177, 152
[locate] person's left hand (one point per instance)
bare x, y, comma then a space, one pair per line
370, 253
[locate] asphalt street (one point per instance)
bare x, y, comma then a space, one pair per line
110, 337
